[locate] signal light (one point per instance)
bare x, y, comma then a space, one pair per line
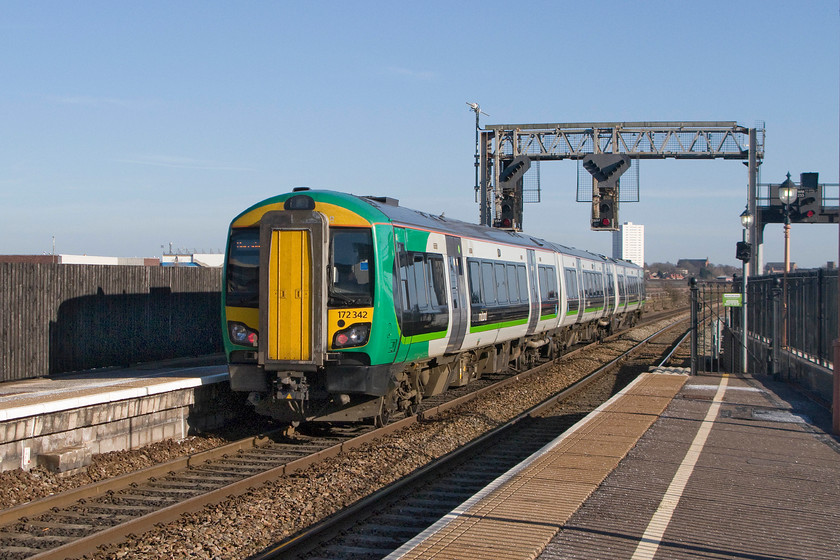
508, 214
807, 207
743, 251
605, 210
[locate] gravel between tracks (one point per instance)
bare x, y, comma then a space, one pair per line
246, 524
19, 487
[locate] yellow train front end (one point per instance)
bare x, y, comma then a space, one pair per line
299, 306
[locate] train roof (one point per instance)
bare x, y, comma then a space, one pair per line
391, 210
402, 215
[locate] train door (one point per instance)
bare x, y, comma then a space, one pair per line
533, 292
602, 280
400, 291
573, 293
457, 280
292, 286
290, 299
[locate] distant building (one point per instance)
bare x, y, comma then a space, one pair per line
193, 259
777, 267
79, 259
213, 260
629, 243
33, 259
693, 264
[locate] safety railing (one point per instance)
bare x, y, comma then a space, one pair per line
709, 325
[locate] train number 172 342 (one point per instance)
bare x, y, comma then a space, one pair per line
353, 314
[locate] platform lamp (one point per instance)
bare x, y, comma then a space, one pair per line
746, 221
788, 192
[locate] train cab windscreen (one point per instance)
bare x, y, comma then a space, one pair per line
351, 268
243, 268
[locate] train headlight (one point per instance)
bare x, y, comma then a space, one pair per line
240, 334
354, 335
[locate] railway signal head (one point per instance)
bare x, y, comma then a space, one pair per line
605, 211
743, 251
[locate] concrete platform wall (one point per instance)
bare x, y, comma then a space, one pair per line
792, 368
66, 440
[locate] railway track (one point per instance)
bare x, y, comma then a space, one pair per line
380, 524
76, 523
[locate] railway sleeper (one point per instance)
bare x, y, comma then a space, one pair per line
48, 541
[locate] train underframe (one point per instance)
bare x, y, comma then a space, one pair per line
316, 396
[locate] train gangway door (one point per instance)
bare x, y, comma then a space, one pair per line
290, 299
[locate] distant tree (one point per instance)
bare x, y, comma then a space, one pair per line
662, 268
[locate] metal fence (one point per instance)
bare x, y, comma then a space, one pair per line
794, 317
804, 323
58, 318
709, 324
791, 325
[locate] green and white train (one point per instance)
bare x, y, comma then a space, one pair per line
345, 308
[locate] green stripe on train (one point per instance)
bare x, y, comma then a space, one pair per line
494, 326
422, 337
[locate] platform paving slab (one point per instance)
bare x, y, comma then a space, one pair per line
765, 486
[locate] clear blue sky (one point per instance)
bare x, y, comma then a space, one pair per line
130, 125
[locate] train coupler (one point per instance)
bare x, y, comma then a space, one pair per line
289, 387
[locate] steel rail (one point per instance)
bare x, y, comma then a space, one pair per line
667, 357
300, 542
84, 545
64, 499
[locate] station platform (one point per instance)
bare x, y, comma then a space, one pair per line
61, 421
672, 467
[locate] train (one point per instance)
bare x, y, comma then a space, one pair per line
344, 308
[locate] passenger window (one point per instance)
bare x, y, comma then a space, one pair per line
552, 284
489, 281
437, 281
513, 283
523, 283
571, 284
420, 281
501, 286
474, 271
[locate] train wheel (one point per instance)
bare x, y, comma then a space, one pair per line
381, 419
551, 351
387, 405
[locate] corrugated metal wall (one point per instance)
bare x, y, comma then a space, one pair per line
58, 318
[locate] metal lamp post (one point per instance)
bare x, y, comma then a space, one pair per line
787, 194
746, 221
